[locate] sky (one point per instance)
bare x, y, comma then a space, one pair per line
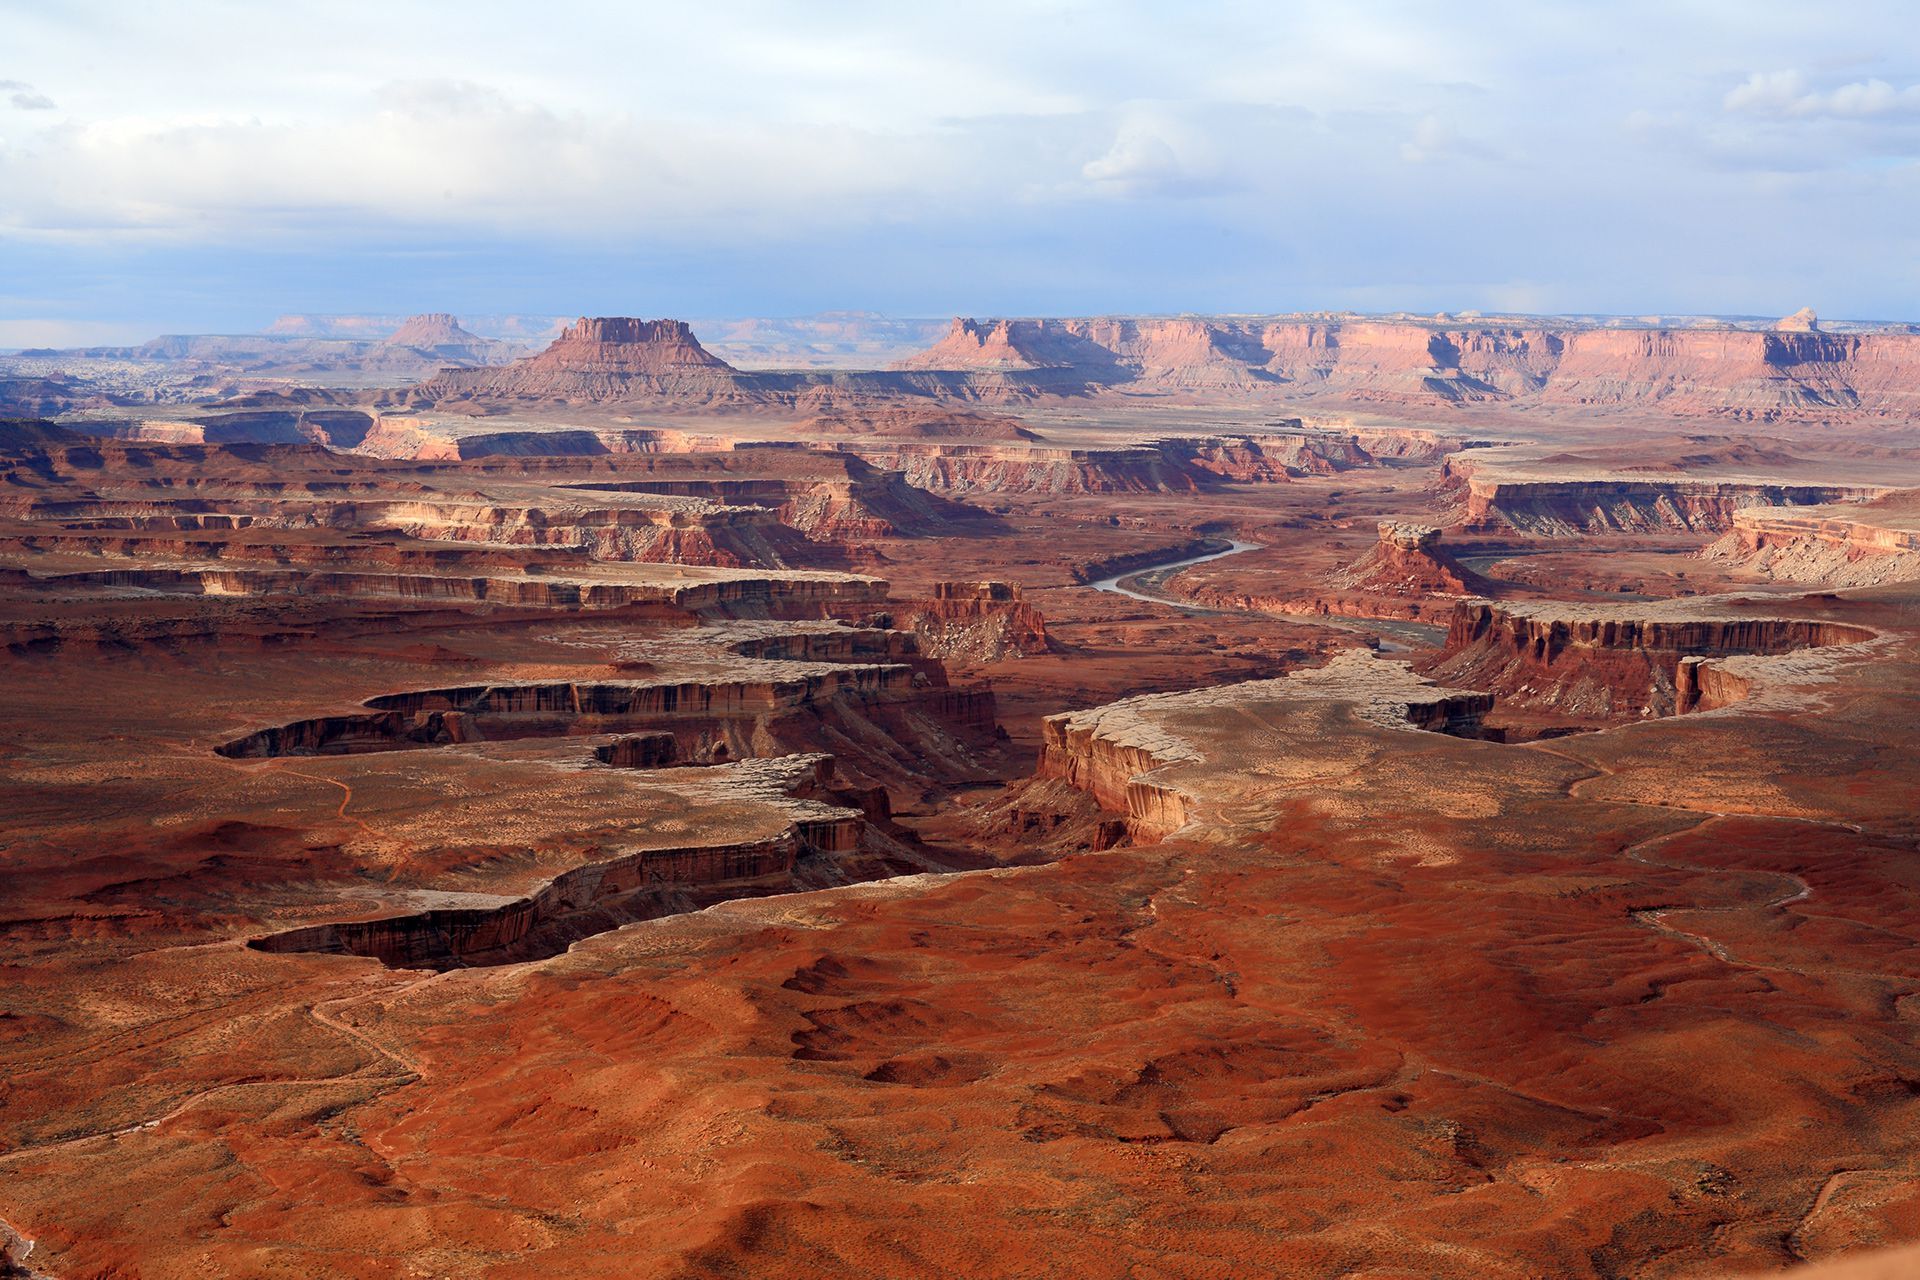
204, 166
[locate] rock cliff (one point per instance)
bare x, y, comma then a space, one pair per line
1530, 497
1839, 546
1603, 662
976, 622
1409, 561
1127, 754
1793, 371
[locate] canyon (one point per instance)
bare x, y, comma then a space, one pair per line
1302, 795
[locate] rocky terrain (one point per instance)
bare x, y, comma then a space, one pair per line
1793, 371
1849, 545
183, 368
1303, 796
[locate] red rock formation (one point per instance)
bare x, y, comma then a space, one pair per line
1736, 372
975, 622
434, 329
1841, 546
1409, 561
1126, 755
609, 358
1536, 496
1612, 661
1173, 464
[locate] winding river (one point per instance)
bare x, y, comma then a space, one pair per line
1147, 584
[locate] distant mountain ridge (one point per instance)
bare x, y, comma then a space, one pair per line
1796, 368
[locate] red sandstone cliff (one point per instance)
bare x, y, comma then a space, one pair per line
1735, 372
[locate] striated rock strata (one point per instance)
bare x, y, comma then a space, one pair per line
975, 622
1843, 546
1614, 661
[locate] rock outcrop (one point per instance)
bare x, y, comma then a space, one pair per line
1172, 464
637, 885
1841, 546
975, 622
1409, 561
1610, 662
1127, 754
1564, 498
1736, 372
606, 358
724, 592
914, 422
438, 336
1801, 321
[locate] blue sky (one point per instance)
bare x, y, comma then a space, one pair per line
207, 166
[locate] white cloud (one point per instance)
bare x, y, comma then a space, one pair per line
450, 154
1156, 152
1790, 94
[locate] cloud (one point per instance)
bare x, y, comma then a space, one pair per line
1155, 153
457, 155
1434, 139
1789, 94
23, 97
746, 153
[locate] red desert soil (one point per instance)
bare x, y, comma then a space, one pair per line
579, 847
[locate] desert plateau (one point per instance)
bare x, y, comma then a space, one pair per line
618, 737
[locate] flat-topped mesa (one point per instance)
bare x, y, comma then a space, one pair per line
861, 501
694, 589
823, 833
876, 716
1501, 495
623, 344
1408, 537
434, 329
1170, 464
1003, 591
599, 359
915, 422
1600, 662
1120, 754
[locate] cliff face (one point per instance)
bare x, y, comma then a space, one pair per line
1609, 662
975, 622
1126, 755
1174, 464
1737, 373
1830, 546
1498, 499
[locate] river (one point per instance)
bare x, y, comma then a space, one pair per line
1396, 635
